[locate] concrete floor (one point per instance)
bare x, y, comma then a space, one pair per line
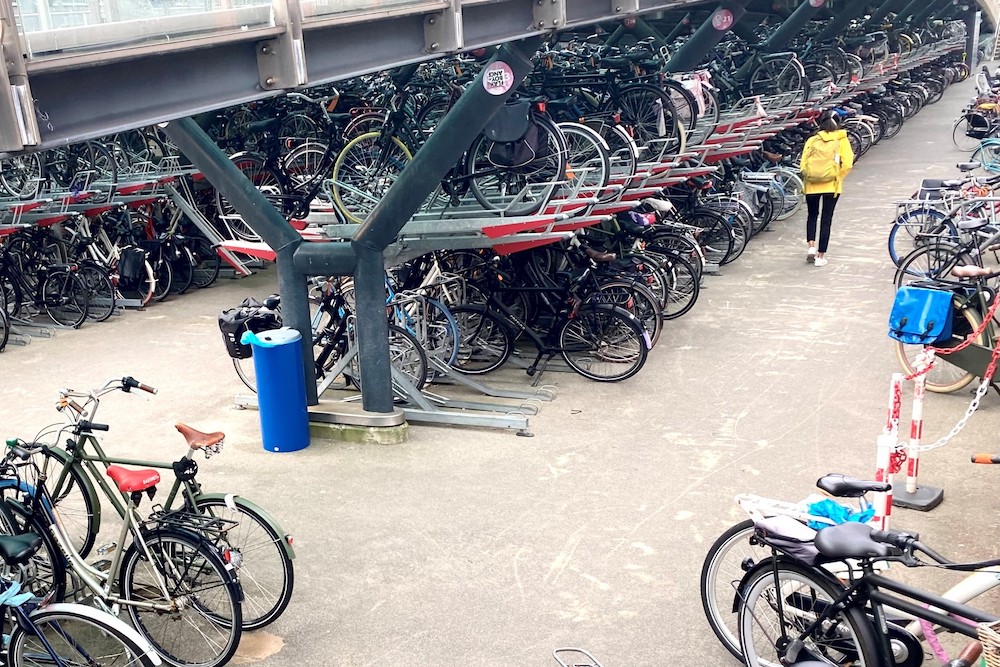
476, 547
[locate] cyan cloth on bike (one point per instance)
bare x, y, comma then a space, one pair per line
835, 186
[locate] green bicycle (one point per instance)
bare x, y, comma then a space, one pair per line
257, 545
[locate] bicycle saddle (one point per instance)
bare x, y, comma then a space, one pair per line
843, 486
268, 125
968, 166
17, 549
850, 540
196, 439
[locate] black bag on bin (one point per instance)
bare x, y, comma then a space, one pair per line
234, 321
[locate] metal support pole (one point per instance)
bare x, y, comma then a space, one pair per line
884, 9
932, 7
792, 26
903, 17
689, 56
843, 17
263, 219
681, 26
453, 136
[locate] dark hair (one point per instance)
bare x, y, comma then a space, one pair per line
829, 120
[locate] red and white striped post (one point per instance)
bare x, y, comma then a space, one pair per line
925, 359
883, 454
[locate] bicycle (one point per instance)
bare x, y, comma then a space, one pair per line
599, 341
63, 633
791, 607
29, 281
179, 590
262, 548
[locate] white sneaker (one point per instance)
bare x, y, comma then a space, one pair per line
811, 255
820, 261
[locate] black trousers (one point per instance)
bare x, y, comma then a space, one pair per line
829, 200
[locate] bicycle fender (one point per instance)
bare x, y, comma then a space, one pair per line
230, 499
768, 564
99, 616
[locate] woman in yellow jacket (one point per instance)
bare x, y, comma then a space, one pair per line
827, 158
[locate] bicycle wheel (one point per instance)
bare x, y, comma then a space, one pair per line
4, 327
588, 162
683, 288
604, 343
441, 334
265, 570
406, 355
716, 237
945, 377
206, 262
255, 169
931, 262
21, 175
245, 371
635, 299
727, 561
364, 171
909, 231
520, 190
45, 572
622, 152
74, 496
847, 638
485, 340
77, 635
206, 630
778, 75
988, 155
651, 115
164, 278
65, 296
100, 291
182, 263
306, 163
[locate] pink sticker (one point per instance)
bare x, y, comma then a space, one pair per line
722, 19
498, 78
817, 3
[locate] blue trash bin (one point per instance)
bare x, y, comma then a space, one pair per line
281, 388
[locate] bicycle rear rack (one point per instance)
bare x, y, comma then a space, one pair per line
202, 524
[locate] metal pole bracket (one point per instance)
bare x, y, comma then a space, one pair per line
548, 14
624, 6
443, 32
281, 62
18, 123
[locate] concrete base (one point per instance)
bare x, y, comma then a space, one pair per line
349, 422
924, 499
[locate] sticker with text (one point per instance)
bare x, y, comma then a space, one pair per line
498, 78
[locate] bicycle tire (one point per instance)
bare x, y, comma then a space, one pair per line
717, 238
21, 175
775, 76
266, 572
904, 237
76, 499
65, 298
182, 265
245, 371
76, 634
930, 262
609, 339
650, 113
100, 291
406, 355
960, 136
486, 340
254, 168
496, 188
683, 289
213, 609
588, 162
442, 333
207, 262
4, 327
46, 571
362, 174
721, 572
944, 377
847, 639
164, 279
634, 298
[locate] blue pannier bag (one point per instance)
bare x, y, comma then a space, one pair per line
921, 316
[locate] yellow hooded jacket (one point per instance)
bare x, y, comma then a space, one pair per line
846, 162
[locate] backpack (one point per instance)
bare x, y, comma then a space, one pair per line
821, 161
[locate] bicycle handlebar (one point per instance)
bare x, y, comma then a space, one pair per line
129, 383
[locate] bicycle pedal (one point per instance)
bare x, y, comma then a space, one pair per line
102, 565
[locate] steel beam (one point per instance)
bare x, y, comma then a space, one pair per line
843, 17
929, 10
792, 26
707, 36
903, 16
453, 136
884, 10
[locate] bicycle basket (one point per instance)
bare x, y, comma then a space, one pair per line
234, 321
989, 635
